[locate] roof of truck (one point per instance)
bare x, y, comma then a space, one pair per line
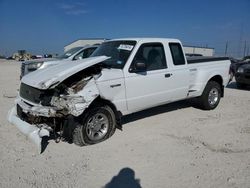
148, 39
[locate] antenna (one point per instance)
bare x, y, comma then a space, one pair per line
245, 47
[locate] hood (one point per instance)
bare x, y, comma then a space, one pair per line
245, 66
54, 62
39, 60
52, 76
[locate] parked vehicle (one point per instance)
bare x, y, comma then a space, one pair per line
9, 58
235, 64
242, 76
47, 55
70, 55
85, 101
246, 58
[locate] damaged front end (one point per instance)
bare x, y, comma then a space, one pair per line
39, 113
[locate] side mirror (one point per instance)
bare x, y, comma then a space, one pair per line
139, 66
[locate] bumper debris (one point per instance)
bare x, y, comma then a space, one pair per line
34, 133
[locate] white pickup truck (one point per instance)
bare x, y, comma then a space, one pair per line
84, 101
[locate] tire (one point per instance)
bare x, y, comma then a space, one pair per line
97, 125
240, 85
210, 97
231, 76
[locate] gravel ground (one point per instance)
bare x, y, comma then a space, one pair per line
175, 145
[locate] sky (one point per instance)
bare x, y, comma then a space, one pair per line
46, 26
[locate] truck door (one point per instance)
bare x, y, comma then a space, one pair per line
150, 87
180, 72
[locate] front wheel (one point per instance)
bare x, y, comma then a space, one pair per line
211, 95
97, 125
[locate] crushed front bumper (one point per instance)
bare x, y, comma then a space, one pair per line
33, 132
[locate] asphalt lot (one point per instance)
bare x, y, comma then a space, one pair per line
175, 145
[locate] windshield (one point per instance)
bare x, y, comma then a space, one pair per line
70, 52
118, 51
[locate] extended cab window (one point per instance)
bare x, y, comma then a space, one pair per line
177, 54
153, 55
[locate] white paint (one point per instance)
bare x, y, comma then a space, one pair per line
135, 91
116, 95
129, 92
77, 103
44, 78
34, 133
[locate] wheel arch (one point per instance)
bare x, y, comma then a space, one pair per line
100, 101
219, 80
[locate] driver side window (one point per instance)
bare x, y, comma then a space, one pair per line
153, 55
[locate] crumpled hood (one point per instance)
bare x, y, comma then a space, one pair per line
52, 76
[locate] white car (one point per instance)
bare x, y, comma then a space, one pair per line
85, 101
70, 55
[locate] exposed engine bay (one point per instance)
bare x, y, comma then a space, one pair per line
66, 98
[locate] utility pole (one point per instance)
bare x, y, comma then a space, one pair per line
226, 48
240, 40
245, 47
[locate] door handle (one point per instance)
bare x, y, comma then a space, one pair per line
168, 75
192, 70
115, 85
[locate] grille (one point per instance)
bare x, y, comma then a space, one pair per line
35, 95
33, 119
247, 71
22, 69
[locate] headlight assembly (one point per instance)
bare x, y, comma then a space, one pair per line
34, 66
240, 70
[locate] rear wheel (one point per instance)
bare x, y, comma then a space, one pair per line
211, 95
97, 125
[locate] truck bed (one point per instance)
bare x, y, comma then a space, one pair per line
204, 59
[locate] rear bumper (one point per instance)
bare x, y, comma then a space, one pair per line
33, 132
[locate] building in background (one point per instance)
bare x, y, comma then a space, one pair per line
83, 42
195, 50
